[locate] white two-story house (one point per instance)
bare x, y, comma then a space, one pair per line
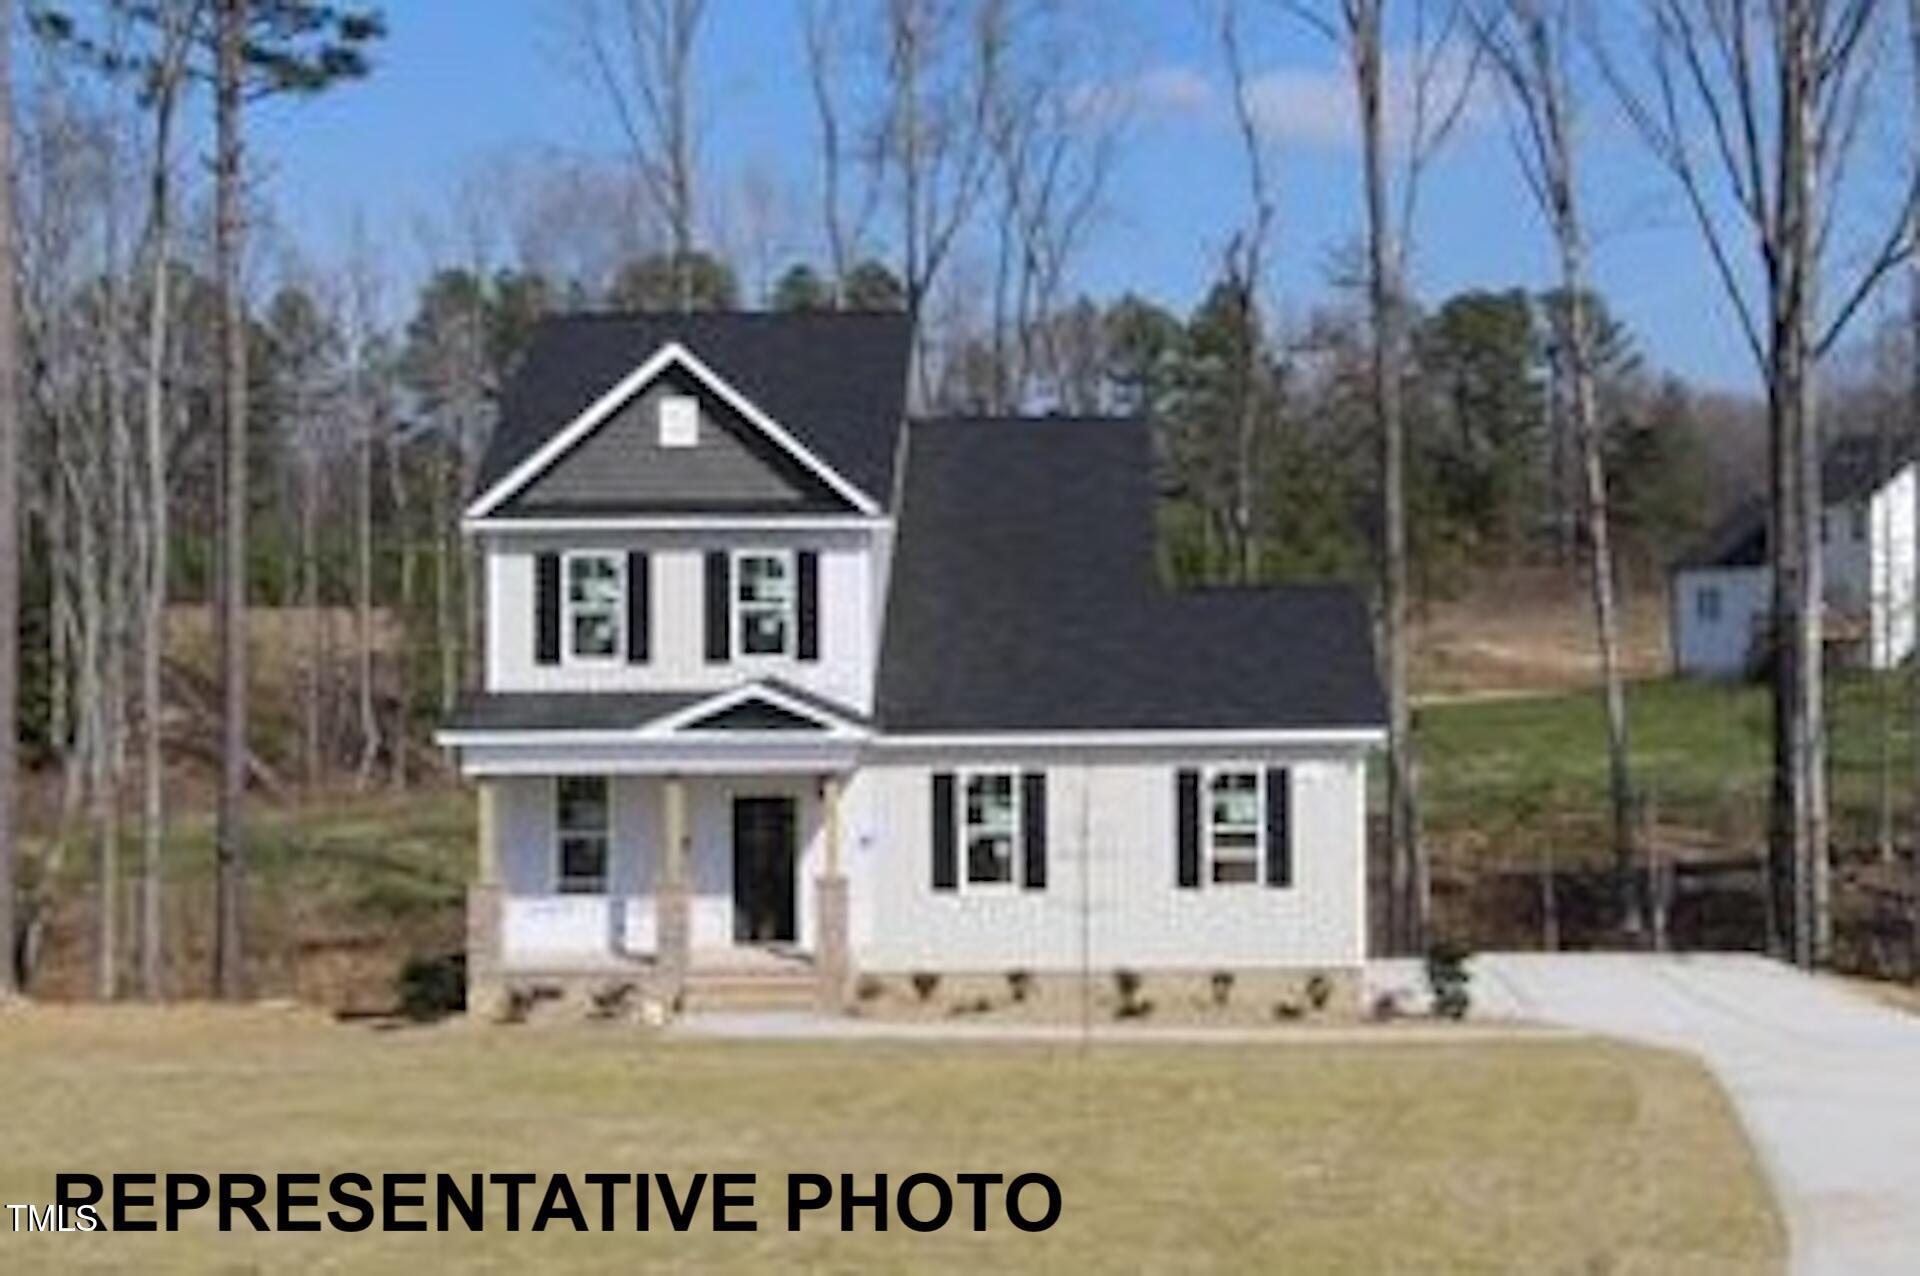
1722, 592
776, 676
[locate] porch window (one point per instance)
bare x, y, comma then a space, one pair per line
1233, 825
764, 597
595, 591
989, 827
583, 824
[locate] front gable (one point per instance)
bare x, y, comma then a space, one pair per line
612, 459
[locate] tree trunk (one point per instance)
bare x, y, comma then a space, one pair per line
1913, 415
1408, 886
310, 677
1576, 348
1813, 934
9, 530
363, 576
230, 843
154, 630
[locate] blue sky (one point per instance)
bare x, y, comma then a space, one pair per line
460, 82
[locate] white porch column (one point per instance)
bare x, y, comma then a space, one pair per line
484, 902
672, 905
833, 947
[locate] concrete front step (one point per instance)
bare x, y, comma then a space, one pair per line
716, 990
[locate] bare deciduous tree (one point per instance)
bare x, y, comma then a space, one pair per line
231, 628
9, 527
1436, 96
1752, 110
1529, 44
642, 55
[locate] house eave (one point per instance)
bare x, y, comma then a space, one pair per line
483, 525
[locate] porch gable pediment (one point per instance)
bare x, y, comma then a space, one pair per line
761, 707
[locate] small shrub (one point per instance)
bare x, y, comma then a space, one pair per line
868, 988
1385, 1008
1019, 984
1222, 984
430, 988
925, 984
1288, 1010
612, 1001
1447, 979
1127, 984
1319, 991
971, 1006
518, 1007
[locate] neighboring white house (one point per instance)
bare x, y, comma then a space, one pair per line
777, 678
1722, 591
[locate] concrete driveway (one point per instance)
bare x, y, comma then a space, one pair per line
1826, 1081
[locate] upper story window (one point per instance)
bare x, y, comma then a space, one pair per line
679, 421
595, 591
583, 827
990, 827
1706, 603
1234, 825
1857, 513
763, 602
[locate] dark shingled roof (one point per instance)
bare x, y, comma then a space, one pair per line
1857, 465
565, 710
1024, 598
1737, 540
1854, 468
603, 710
835, 380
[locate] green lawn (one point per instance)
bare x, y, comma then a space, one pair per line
1514, 772
1518, 1155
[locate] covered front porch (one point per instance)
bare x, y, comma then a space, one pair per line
706, 840
655, 877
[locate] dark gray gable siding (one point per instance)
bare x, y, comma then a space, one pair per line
754, 715
620, 467
835, 380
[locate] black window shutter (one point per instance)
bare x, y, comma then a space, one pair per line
639, 610
946, 863
1279, 827
546, 609
1033, 828
1187, 817
808, 567
719, 606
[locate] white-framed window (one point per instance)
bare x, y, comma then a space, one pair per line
1706, 603
765, 594
595, 611
1234, 825
679, 421
990, 827
583, 833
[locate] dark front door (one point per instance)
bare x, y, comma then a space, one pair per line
763, 870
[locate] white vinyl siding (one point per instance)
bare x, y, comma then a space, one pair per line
849, 617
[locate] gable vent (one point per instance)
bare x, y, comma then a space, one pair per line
679, 421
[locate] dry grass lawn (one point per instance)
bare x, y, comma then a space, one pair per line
1525, 1156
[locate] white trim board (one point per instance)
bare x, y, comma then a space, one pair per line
633, 383
1325, 737
682, 523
